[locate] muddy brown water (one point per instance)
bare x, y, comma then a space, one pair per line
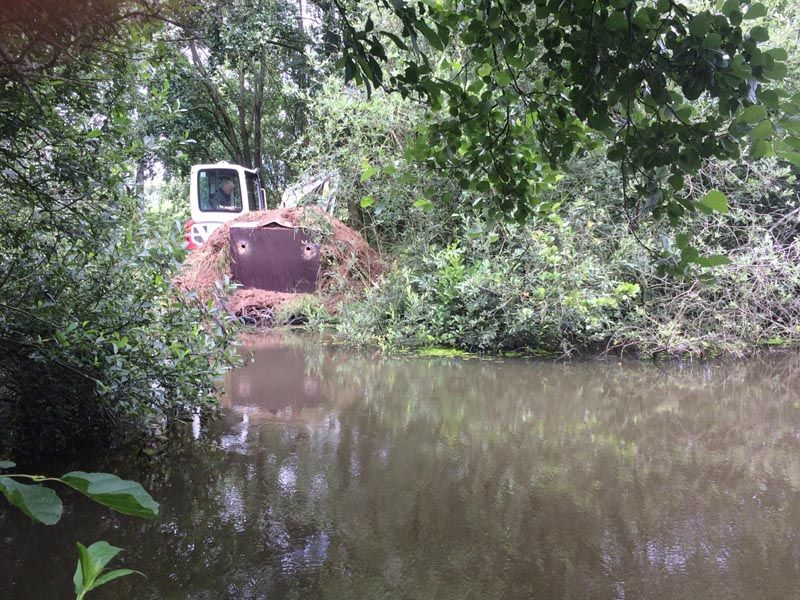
343, 475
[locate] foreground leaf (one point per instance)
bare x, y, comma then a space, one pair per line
126, 497
91, 562
115, 574
38, 502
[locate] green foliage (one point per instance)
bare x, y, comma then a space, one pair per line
93, 335
576, 278
126, 497
169, 204
751, 298
442, 352
516, 88
589, 269
364, 140
510, 287
39, 503
90, 572
234, 70
43, 505
747, 303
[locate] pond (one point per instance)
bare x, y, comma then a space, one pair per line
341, 474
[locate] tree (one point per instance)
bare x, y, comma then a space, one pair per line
232, 67
520, 86
92, 334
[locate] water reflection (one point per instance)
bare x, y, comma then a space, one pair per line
339, 475
278, 383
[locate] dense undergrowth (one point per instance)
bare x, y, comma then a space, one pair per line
594, 268
577, 283
580, 276
96, 345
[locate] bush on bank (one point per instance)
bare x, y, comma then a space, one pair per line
576, 278
582, 275
543, 289
94, 339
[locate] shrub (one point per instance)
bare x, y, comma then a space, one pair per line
93, 337
576, 278
513, 287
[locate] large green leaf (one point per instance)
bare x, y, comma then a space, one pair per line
115, 574
700, 24
759, 34
760, 149
484, 70
792, 157
423, 204
714, 260
713, 201
368, 171
91, 561
38, 502
430, 35
7, 464
503, 78
755, 11
127, 497
752, 114
763, 131
791, 123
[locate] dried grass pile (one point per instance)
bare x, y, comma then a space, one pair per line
347, 265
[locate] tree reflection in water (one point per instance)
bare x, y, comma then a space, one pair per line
341, 475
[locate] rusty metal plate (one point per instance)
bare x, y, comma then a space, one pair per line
274, 258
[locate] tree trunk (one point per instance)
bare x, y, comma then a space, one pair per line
244, 133
226, 126
258, 106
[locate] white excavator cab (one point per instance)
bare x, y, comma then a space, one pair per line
220, 193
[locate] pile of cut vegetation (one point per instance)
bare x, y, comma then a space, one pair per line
347, 265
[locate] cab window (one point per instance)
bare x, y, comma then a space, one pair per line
218, 190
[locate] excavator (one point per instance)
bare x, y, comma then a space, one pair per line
221, 192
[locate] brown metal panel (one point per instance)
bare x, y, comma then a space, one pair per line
275, 258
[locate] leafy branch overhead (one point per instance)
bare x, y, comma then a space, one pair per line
519, 87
